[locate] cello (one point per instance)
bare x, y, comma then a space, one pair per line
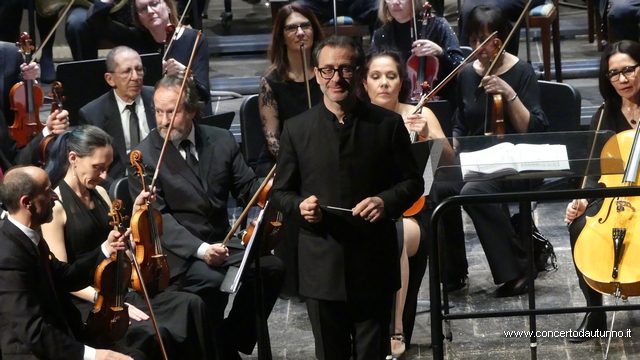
606, 250
421, 68
109, 320
26, 98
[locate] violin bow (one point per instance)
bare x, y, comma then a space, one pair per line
414, 30
425, 98
516, 27
175, 110
252, 202
304, 73
173, 36
36, 55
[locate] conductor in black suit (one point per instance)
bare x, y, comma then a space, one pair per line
202, 165
357, 156
37, 319
126, 112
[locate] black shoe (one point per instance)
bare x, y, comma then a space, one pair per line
592, 321
457, 284
517, 286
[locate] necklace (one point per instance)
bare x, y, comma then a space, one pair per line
632, 121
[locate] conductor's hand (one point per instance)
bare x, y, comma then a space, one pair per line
116, 241
215, 254
370, 209
136, 314
575, 209
102, 354
58, 122
310, 209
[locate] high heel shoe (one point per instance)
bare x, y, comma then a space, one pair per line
592, 321
517, 286
397, 353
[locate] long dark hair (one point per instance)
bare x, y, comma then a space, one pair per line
278, 49
490, 18
82, 140
393, 53
608, 92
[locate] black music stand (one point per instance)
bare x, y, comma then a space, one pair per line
222, 121
83, 81
580, 164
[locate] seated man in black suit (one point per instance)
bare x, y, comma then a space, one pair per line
37, 319
126, 112
201, 166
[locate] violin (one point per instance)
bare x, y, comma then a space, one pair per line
146, 229
272, 231
414, 136
170, 30
109, 320
26, 98
422, 68
56, 104
607, 249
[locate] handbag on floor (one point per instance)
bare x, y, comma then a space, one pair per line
544, 257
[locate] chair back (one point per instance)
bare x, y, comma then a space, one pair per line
466, 51
120, 190
442, 110
561, 104
253, 140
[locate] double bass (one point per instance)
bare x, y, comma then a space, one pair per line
109, 320
26, 98
421, 69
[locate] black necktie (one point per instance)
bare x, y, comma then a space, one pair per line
134, 131
190, 157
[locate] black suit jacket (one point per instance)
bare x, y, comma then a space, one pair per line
344, 257
10, 154
35, 321
103, 112
195, 210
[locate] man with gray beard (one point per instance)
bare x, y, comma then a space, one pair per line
202, 165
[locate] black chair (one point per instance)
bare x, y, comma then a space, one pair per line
466, 51
442, 110
565, 117
223, 120
120, 190
253, 140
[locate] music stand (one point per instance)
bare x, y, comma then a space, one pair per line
83, 81
222, 121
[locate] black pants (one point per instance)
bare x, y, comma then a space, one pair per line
505, 252
592, 297
238, 332
363, 11
355, 330
623, 19
510, 8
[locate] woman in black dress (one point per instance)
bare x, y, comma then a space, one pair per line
80, 223
151, 18
620, 88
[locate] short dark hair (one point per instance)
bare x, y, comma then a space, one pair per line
401, 68
490, 18
83, 140
340, 42
190, 99
278, 50
16, 184
608, 92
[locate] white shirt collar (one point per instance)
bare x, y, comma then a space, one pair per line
122, 105
191, 137
31, 234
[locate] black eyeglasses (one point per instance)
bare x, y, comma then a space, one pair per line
145, 10
291, 28
627, 71
345, 72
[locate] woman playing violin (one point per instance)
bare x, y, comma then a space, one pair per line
151, 18
398, 31
78, 164
385, 84
620, 87
516, 81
